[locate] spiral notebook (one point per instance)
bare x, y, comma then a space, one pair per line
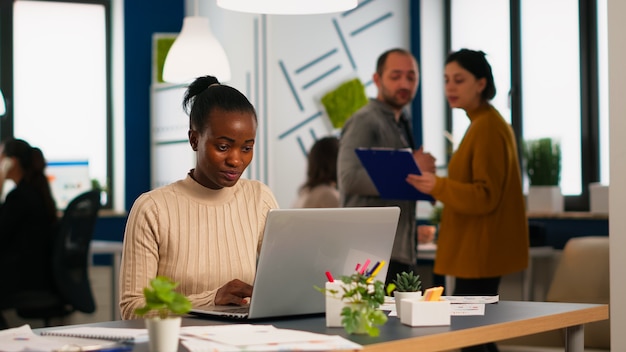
101, 333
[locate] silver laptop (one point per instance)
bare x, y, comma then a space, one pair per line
300, 245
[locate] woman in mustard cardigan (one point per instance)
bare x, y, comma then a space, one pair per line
483, 233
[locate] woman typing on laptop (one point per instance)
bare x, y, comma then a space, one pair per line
205, 230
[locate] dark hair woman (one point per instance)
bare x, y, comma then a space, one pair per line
28, 217
483, 233
320, 188
205, 230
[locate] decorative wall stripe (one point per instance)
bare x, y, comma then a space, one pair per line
317, 60
302, 147
293, 89
343, 42
372, 23
179, 141
360, 6
296, 127
321, 77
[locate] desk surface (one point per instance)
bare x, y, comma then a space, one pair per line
502, 320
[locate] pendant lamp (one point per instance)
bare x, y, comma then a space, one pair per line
288, 7
195, 52
3, 107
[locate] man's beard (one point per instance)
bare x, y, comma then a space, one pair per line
394, 102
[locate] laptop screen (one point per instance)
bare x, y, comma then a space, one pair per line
300, 245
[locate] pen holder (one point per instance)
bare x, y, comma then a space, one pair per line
425, 313
334, 303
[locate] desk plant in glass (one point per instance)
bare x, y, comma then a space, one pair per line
163, 328
362, 296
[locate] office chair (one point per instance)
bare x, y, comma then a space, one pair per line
70, 263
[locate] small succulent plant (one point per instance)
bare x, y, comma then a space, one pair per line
407, 282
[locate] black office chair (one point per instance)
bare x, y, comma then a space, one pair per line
70, 265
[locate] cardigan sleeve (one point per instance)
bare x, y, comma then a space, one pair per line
479, 191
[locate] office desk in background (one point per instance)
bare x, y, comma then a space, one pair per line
503, 320
428, 251
114, 249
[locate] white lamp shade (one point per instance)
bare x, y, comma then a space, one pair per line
3, 107
195, 52
288, 7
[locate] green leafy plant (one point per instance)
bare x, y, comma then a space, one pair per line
363, 297
543, 162
161, 297
407, 282
435, 215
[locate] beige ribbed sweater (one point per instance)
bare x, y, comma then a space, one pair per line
199, 237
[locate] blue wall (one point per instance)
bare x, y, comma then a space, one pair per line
142, 18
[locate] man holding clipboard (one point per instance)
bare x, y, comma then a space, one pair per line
385, 123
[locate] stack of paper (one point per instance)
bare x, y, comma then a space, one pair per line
248, 337
24, 339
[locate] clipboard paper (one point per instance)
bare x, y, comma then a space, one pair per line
388, 169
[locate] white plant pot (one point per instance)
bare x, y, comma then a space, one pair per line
163, 334
399, 296
545, 199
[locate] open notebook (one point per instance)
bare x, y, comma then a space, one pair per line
300, 245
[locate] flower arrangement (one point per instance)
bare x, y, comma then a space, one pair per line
364, 297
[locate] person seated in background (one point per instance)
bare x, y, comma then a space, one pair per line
320, 188
204, 231
28, 218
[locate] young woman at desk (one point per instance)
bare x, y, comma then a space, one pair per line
203, 231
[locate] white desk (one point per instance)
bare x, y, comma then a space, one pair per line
114, 249
428, 251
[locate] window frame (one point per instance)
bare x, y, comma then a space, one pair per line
7, 86
589, 92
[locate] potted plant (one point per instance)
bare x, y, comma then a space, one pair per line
166, 305
435, 215
407, 286
361, 297
543, 167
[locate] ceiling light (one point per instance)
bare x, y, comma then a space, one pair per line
195, 52
288, 7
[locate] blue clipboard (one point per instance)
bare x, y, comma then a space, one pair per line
388, 169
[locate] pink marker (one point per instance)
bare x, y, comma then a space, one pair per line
364, 267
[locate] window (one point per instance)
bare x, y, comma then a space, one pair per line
555, 52
471, 21
551, 81
61, 100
